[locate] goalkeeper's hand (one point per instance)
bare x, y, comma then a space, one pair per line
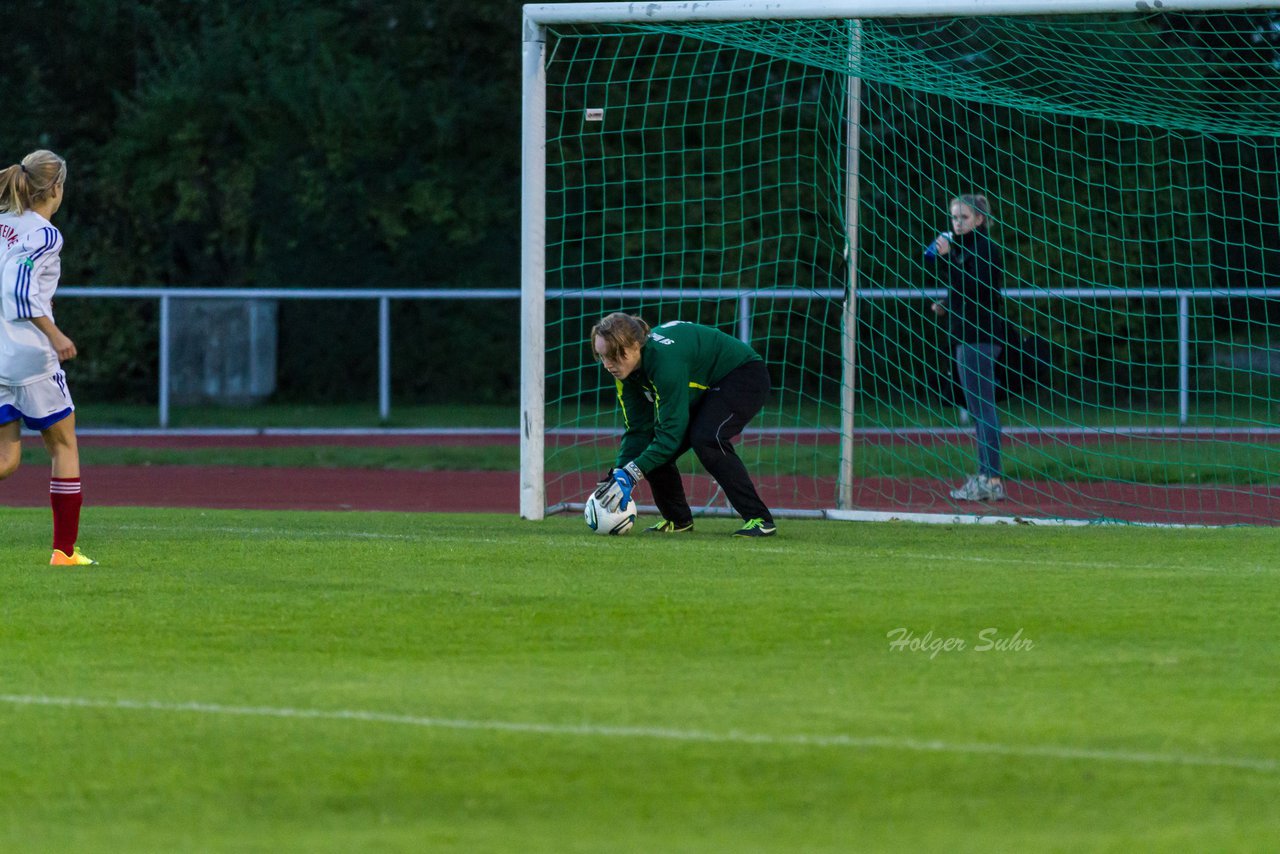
614, 493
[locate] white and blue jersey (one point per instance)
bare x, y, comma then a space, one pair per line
29, 269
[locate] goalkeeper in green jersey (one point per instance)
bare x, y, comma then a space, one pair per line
681, 386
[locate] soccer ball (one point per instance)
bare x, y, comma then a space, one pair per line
608, 522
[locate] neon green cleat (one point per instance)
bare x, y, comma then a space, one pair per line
756, 528
665, 527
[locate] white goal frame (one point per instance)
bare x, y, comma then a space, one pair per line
538, 16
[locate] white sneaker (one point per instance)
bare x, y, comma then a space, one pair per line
995, 489
968, 491
979, 487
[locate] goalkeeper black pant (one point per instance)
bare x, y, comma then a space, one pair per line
719, 415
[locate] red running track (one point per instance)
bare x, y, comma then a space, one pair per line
241, 488
230, 487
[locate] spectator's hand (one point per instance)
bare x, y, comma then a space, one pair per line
938, 308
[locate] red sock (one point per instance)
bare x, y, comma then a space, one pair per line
64, 495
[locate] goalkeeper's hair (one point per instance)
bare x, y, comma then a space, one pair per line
619, 332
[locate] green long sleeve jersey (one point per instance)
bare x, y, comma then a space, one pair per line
678, 363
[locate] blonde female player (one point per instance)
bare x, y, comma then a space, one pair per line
33, 388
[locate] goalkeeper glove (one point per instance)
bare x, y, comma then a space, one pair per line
615, 492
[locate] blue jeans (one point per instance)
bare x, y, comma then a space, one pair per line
976, 365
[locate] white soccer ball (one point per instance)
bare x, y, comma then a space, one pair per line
608, 522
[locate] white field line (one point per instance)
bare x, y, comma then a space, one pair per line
601, 542
293, 533
1033, 751
1038, 561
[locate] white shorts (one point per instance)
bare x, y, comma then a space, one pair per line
40, 404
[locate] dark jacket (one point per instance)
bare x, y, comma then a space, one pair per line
974, 269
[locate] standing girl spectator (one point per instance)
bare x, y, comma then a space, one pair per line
974, 310
33, 388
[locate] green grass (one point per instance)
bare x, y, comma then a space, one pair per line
1211, 411
1184, 461
225, 681
413, 458
297, 415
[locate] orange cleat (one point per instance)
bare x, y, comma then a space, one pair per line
76, 558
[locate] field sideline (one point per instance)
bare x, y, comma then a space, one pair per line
258, 681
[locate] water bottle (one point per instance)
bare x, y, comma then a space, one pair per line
931, 248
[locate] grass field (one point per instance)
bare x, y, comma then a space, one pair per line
297, 415
238, 681
1209, 410
1135, 461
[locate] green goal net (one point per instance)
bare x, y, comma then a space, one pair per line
781, 180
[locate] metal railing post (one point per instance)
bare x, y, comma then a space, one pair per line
1184, 359
164, 361
384, 359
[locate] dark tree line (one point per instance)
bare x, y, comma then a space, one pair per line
278, 143
375, 143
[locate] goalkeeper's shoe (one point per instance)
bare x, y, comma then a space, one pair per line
756, 528
76, 558
666, 527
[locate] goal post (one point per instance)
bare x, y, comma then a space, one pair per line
533, 266
774, 169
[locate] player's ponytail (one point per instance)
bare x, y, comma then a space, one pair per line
30, 182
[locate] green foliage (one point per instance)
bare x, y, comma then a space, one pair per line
292, 144
117, 341
276, 143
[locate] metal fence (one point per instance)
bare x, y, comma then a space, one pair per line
1181, 297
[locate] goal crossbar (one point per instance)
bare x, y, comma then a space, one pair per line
747, 10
